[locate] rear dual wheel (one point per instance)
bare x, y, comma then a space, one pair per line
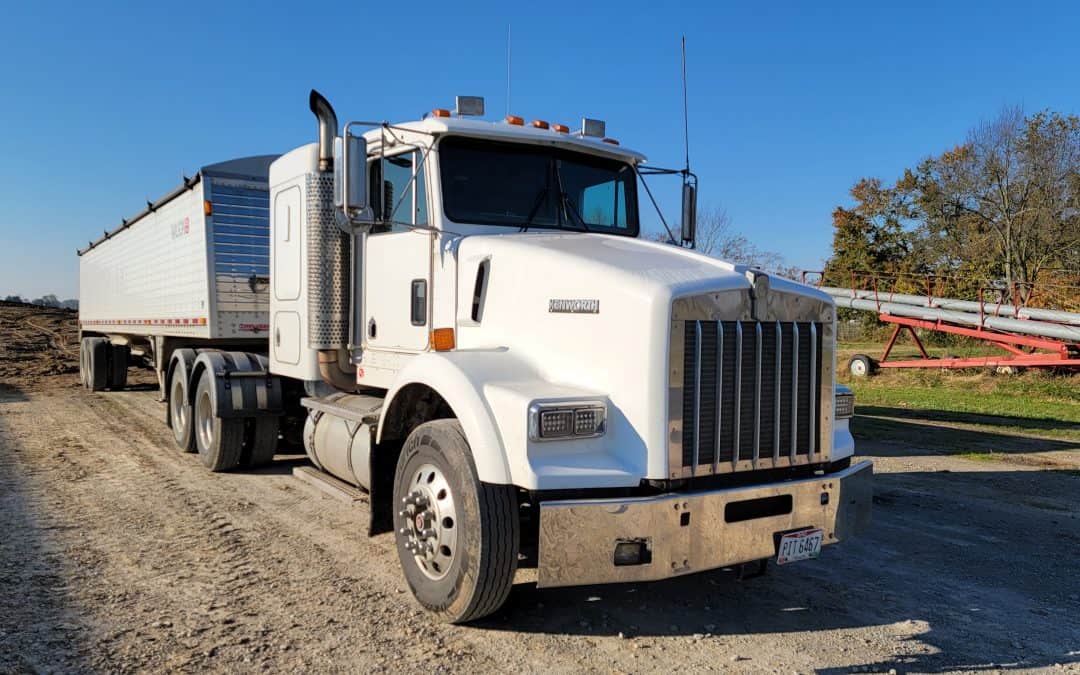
94, 363
223, 443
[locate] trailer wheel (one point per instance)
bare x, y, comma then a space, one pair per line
862, 365
180, 413
84, 369
457, 538
118, 366
219, 440
260, 441
96, 357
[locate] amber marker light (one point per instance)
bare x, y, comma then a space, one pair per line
515, 120
561, 128
540, 124
611, 141
440, 112
442, 339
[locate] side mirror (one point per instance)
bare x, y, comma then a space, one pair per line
350, 177
689, 212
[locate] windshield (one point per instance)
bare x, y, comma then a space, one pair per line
518, 185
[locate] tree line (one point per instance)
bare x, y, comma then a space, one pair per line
1000, 210
47, 300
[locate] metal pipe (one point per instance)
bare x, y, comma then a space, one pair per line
1021, 326
328, 128
989, 308
331, 372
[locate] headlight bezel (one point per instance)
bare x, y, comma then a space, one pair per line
543, 416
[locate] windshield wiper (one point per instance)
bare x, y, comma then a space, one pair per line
540, 199
566, 203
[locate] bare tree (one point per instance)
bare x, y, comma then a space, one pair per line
1008, 198
717, 237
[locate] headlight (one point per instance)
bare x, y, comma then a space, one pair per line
845, 404
567, 420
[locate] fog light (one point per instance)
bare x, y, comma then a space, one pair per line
632, 553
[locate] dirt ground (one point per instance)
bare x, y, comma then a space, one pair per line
119, 554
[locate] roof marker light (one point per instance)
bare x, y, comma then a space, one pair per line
440, 112
540, 124
515, 120
561, 128
612, 141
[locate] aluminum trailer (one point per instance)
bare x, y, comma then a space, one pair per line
193, 267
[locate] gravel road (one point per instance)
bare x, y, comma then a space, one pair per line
120, 554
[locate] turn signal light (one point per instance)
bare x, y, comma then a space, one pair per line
442, 339
440, 112
207, 207
540, 124
515, 120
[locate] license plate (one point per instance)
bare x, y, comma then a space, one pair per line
801, 545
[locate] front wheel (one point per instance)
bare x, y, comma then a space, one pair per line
457, 538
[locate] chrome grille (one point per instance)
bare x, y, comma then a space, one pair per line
751, 394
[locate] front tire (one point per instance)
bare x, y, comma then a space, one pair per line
457, 538
219, 440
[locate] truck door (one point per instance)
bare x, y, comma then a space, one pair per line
397, 261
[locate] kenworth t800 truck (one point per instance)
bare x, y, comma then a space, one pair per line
461, 318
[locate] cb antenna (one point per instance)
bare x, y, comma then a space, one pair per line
686, 115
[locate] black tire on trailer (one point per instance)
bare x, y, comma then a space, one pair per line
260, 441
862, 365
97, 363
218, 440
181, 417
118, 366
83, 367
457, 538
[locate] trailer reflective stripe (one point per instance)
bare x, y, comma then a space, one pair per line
191, 321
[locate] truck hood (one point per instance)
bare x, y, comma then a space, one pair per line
604, 262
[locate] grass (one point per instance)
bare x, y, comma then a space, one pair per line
1033, 403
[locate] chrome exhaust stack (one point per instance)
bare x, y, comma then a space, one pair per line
328, 129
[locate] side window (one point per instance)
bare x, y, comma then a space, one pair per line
603, 204
396, 198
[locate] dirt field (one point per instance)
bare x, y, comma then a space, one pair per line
120, 554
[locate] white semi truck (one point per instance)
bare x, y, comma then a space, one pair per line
461, 318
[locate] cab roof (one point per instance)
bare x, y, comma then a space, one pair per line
438, 126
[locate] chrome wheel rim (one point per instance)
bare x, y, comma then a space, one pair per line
204, 420
428, 521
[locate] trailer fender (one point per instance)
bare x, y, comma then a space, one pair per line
243, 385
180, 363
459, 377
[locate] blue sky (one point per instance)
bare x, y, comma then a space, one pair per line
103, 106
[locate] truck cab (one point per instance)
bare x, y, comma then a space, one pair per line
493, 351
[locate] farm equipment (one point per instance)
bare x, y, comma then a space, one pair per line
1031, 337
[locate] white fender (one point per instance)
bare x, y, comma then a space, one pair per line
459, 378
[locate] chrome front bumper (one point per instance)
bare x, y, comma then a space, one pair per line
696, 531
